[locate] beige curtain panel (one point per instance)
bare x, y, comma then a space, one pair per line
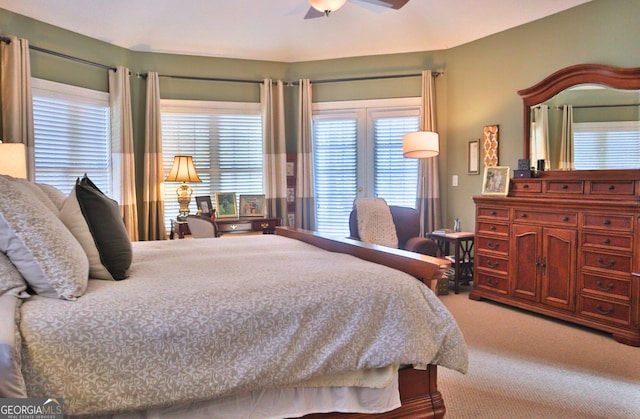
305, 200
566, 145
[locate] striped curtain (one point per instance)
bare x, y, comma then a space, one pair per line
275, 148
305, 200
153, 227
16, 101
122, 147
429, 202
566, 146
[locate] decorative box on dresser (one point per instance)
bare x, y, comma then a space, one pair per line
565, 244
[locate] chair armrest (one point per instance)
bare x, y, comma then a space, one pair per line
422, 245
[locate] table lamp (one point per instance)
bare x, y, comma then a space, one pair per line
183, 171
13, 161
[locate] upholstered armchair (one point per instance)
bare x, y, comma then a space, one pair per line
201, 227
407, 223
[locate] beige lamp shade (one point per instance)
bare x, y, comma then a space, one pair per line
183, 170
13, 160
325, 6
420, 144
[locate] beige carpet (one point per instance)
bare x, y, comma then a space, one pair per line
522, 365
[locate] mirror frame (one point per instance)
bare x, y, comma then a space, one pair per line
614, 77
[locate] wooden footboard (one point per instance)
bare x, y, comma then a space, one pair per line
425, 268
418, 393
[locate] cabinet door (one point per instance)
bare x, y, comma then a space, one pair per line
524, 261
558, 268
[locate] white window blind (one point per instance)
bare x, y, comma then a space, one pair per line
358, 153
72, 135
606, 145
225, 140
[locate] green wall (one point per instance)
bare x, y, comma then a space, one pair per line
479, 86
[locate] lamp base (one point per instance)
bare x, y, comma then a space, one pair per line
184, 192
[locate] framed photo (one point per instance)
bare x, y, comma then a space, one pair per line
252, 206
496, 180
226, 204
204, 203
490, 145
473, 157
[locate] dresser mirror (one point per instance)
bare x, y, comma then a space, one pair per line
606, 116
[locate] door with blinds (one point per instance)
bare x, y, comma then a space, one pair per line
358, 153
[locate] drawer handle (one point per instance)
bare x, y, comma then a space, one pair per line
493, 213
525, 186
611, 187
605, 312
264, 225
492, 228
606, 222
564, 187
606, 241
493, 265
233, 226
606, 265
492, 245
565, 219
492, 282
603, 288
524, 215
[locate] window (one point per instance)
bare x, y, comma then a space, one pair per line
72, 135
606, 145
358, 153
225, 140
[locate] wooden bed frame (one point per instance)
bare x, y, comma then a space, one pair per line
418, 388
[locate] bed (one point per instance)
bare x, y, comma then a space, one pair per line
282, 325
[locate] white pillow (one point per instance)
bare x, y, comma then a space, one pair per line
38, 193
71, 216
11, 282
55, 195
45, 252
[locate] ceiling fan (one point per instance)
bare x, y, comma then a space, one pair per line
321, 8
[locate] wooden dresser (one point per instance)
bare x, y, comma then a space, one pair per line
565, 244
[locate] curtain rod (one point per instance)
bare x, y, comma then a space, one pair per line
61, 55
144, 76
601, 106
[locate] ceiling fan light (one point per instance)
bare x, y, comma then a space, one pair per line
326, 6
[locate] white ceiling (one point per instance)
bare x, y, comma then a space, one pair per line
276, 29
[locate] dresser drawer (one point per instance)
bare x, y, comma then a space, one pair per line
608, 263
493, 263
492, 244
607, 241
526, 186
625, 188
235, 226
543, 217
611, 287
496, 213
565, 187
493, 228
490, 282
605, 310
607, 221
266, 226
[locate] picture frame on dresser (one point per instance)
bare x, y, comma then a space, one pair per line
226, 204
203, 203
496, 180
253, 206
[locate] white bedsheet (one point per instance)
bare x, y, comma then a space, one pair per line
205, 319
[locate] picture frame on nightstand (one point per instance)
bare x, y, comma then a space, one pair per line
204, 204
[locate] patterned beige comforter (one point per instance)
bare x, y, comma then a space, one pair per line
200, 319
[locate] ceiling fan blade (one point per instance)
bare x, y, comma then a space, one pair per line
392, 4
313, 13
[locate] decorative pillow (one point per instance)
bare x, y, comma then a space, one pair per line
11, 282
39, 194
72, 217
13, 385
45, 252
55, 195
107, 228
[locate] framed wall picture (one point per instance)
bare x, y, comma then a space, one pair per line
473, 157
226, 204
253, 206
204, 204
490, 145
496, 180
